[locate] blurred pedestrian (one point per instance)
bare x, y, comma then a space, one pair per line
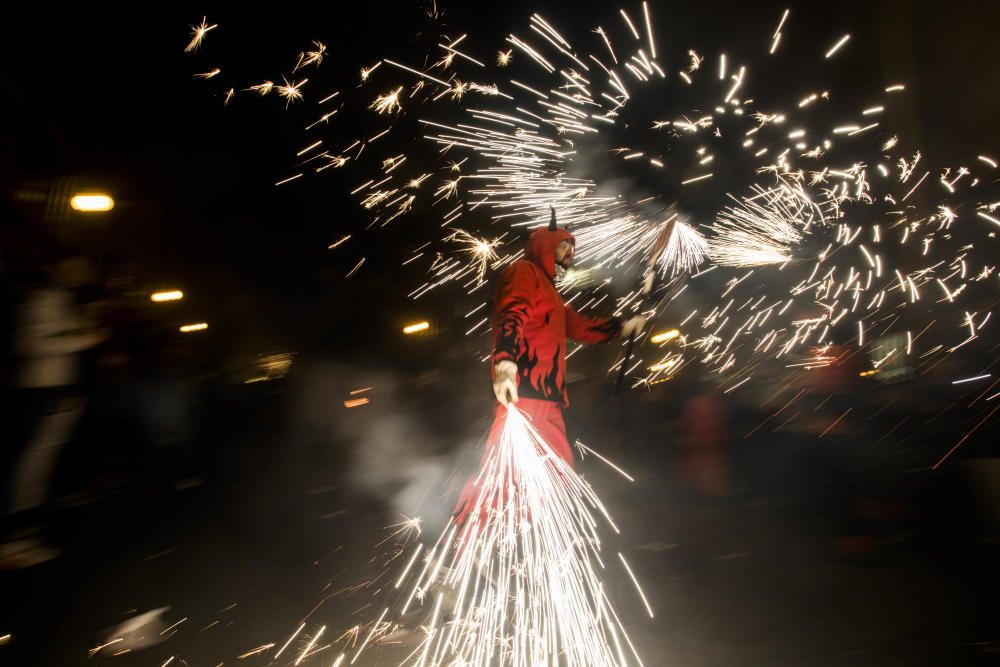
51, 333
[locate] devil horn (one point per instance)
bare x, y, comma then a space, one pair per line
552, 220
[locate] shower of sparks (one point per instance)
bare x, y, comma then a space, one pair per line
519, 582
759, 230
812, 227
685, 250
198, 35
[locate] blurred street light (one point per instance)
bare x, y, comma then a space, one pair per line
417, 327
188, 328
270, 367
92, 203
664, 336
172, 295
355, 402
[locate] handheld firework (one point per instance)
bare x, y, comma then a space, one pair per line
520, 581
646, 289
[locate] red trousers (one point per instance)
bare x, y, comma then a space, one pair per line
545, 416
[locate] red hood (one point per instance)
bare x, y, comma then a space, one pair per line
541, 248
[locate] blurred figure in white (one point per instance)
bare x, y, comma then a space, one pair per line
51, 333
140, 632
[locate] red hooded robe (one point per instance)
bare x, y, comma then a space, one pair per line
531, 321
530, 325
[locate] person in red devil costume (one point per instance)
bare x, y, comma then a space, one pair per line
530, 325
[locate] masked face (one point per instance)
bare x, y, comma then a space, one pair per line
565, 252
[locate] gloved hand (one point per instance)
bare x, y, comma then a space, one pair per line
633, 326
505, 383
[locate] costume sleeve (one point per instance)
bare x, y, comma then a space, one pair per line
512, 303
591, 330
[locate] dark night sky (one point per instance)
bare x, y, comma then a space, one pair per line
109, 97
